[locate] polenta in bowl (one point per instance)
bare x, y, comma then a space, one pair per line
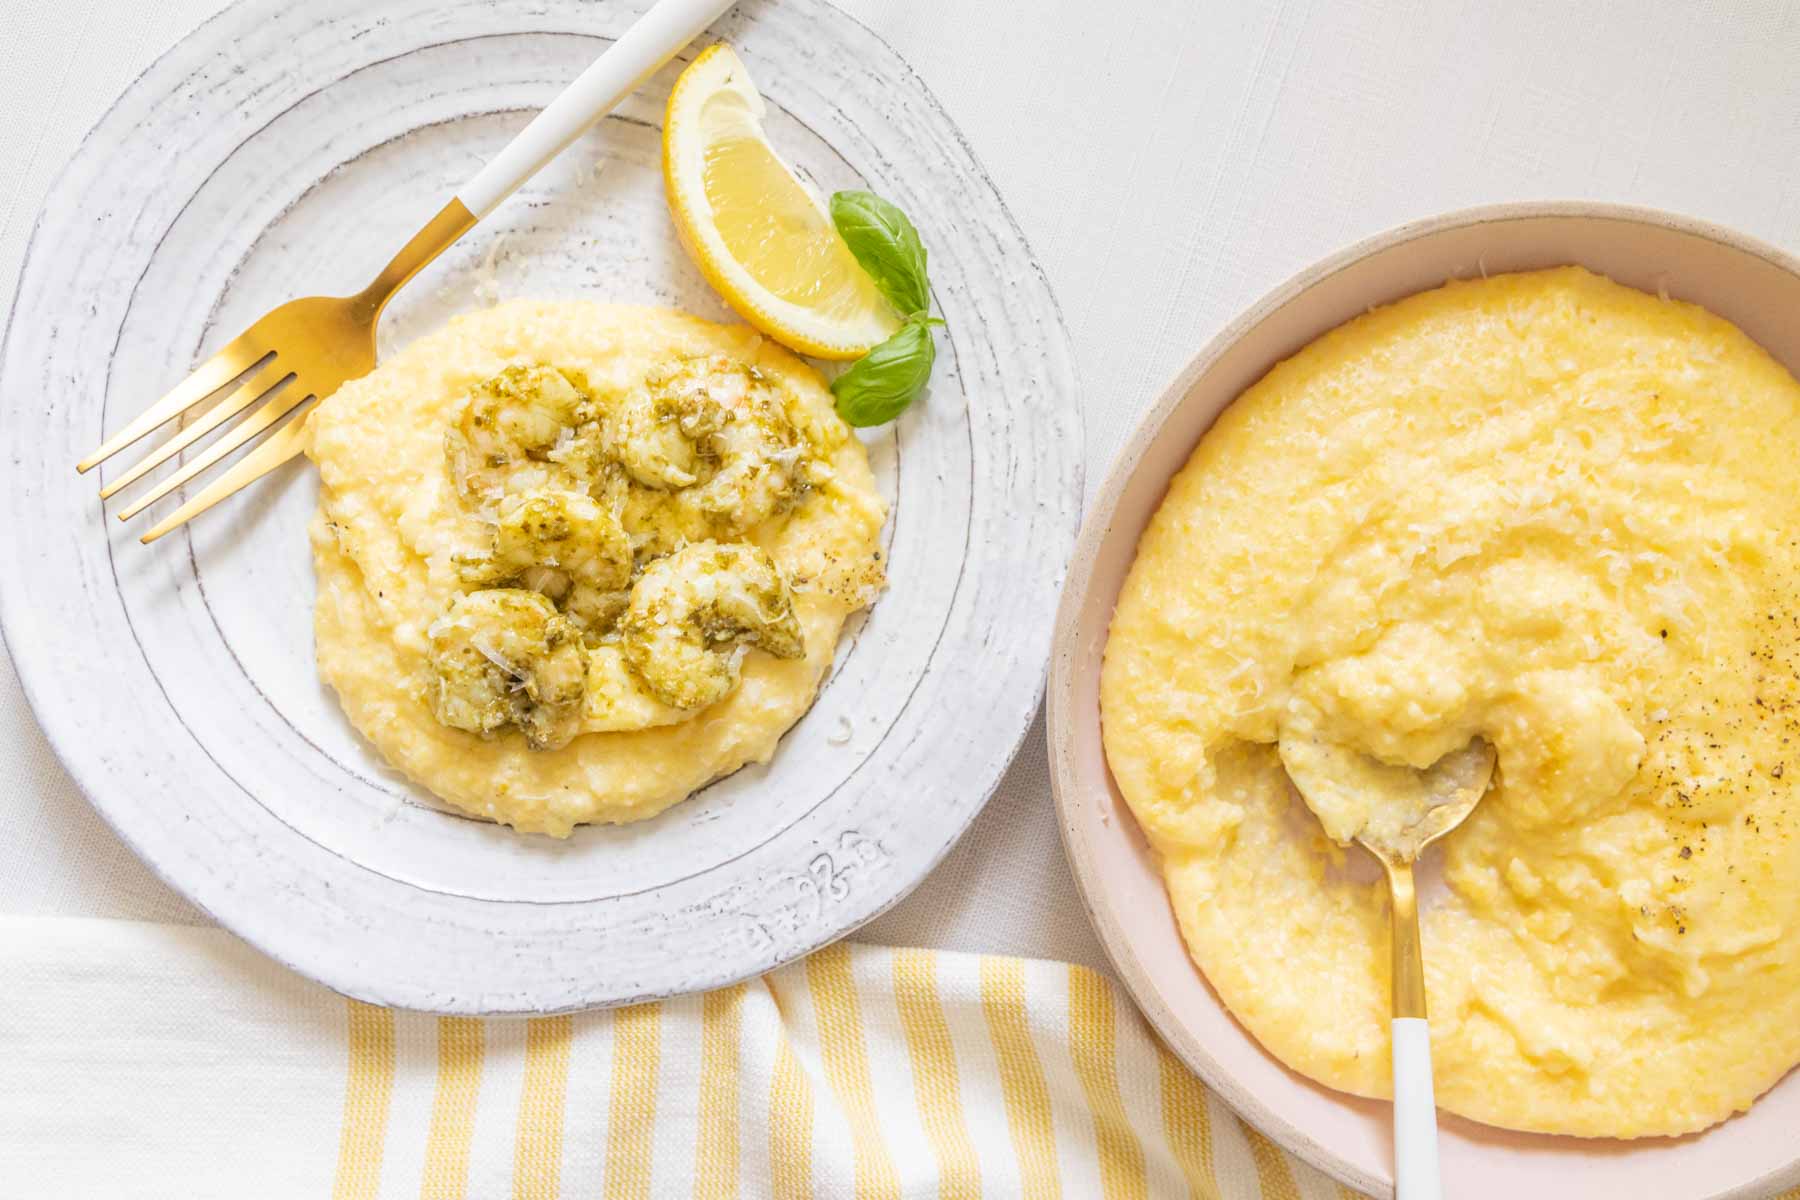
1542, 509
577, 560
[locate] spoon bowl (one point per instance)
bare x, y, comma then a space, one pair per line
1455, 783
1393, 812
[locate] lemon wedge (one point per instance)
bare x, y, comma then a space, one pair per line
757, 232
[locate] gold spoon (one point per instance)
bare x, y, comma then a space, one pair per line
1395, 813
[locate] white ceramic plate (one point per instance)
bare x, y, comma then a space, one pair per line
284, 150
1752, 1155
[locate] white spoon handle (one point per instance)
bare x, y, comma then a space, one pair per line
647, 45
1415, 1113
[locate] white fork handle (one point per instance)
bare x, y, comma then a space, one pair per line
1415, 1113
647, 45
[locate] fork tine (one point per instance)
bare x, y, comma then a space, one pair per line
234, 359
252, 388
271, 411
282, 445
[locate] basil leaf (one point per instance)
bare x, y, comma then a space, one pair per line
879, 385
886, 246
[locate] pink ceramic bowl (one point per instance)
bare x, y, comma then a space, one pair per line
1756, 1154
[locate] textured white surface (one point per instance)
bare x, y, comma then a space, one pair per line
1169, 162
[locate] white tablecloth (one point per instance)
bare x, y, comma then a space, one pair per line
1170, 160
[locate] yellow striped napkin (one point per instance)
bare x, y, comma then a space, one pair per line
156, 1060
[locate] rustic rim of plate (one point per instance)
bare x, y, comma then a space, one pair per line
1001, 240
1073, 659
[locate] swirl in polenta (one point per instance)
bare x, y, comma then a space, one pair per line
1545, 510
576, 560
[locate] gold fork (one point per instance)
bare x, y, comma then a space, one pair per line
298, 354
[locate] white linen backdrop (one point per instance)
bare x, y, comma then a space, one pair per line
1170, 160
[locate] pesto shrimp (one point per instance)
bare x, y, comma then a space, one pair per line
505, 657
712, 443
566, 546
662, 436
513, 429
692, 613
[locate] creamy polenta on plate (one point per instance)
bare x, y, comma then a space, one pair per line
1541, 509
576, 560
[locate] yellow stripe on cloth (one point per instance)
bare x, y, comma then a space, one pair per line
934, 1074
537, 1152
716, 1148
631, 1120
368, 1093
461, 1043
1022, 1082
1092, 1043
846, 1058
790, 1125
1187, 1126
1273, 1175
